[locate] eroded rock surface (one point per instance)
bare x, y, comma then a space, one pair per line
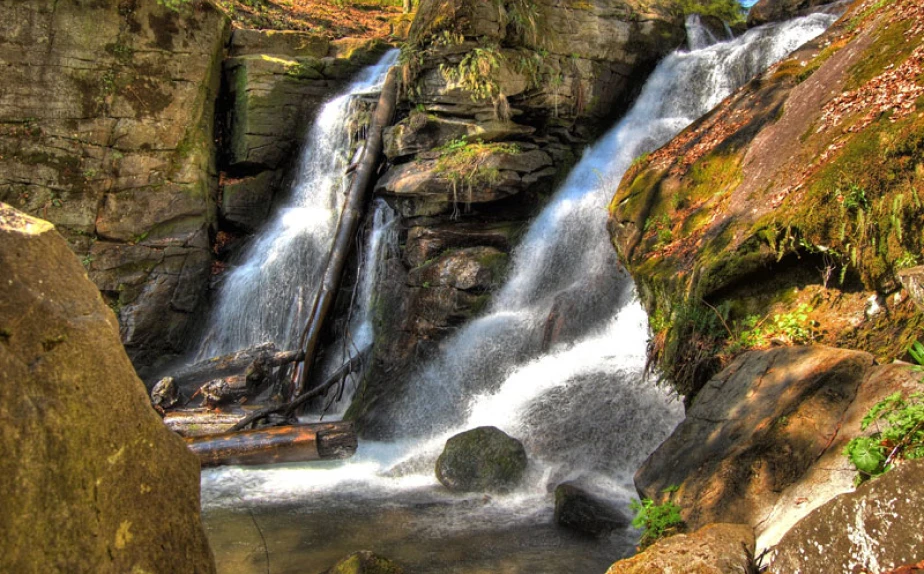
92, 480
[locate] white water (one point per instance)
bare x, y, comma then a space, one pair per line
579, 401
268, 294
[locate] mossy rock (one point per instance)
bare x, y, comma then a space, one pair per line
365, 562
484, 459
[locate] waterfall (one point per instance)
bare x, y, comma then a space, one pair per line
574, 393
268, 294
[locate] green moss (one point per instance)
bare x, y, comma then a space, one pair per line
891, 47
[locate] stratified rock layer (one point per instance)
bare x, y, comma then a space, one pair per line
106, 130
92, 480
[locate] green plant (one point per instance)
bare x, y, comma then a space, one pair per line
901, 436
656, 520
462, 163
916, 351
794, 327
729, 11
174, 5
476, 73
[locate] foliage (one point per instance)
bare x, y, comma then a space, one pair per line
656, 520
462, 163
476, 73
901, 436
793, 327
729, 11
174, 5
916, 350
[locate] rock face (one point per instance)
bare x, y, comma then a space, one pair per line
106, 130
713, 549
777, 187
778, 10
484, 459
93, 481
365, 562
762, 443
499, 99
879, 527
578, 509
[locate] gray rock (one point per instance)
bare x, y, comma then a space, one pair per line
913, 282
879, 527
766, 11
484, 459
246, 202
578, 509
470, 268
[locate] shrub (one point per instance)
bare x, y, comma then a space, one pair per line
656, 520
900, 436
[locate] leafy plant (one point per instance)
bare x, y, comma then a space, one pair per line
729, 11
916, 350
174, 5
794, 327
656, 520
901, 435
476, 73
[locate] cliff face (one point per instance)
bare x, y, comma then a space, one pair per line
106, 130
789, 213
499, 98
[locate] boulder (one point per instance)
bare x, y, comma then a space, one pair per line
93, 481
578, 509
879, 527
713, 549
365, 562
754, 431
484, 459
245, 202
913, 282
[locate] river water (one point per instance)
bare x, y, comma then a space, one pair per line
579, 402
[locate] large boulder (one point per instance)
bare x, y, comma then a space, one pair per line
766, 11
879, 527
578, 509
713, 549
106, 130
92, 480
484, 459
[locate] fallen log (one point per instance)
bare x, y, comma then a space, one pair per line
296, 443
193, 423
220, 367
364, 178
290, 407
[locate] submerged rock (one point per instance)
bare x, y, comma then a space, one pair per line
365, 562
92, 480
482, 459
578, 509
713, 549
878, 527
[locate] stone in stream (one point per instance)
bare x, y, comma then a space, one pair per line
481, 459
578, 509
365, 562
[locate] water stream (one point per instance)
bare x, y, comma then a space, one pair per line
577, 398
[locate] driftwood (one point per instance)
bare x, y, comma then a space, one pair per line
288, 409
262, 357
295, 443
364, 178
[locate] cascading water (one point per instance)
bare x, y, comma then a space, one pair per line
266, 298
574, 394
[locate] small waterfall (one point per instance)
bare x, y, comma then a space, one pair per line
268, 294
699, 36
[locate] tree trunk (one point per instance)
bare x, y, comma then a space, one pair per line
224, 366
201, 422
363, 179
296, 443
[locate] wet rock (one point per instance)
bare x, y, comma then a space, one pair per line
93, 481
421, 132
289, 43
365, 562
879, 527
427, 242
471, 268
578, 509
484, 459
246, 202
753, 431
713, 549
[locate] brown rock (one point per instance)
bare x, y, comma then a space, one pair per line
93, 481
753, 431
246, 202
713, 549
879, 527
766, 11
471, 268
